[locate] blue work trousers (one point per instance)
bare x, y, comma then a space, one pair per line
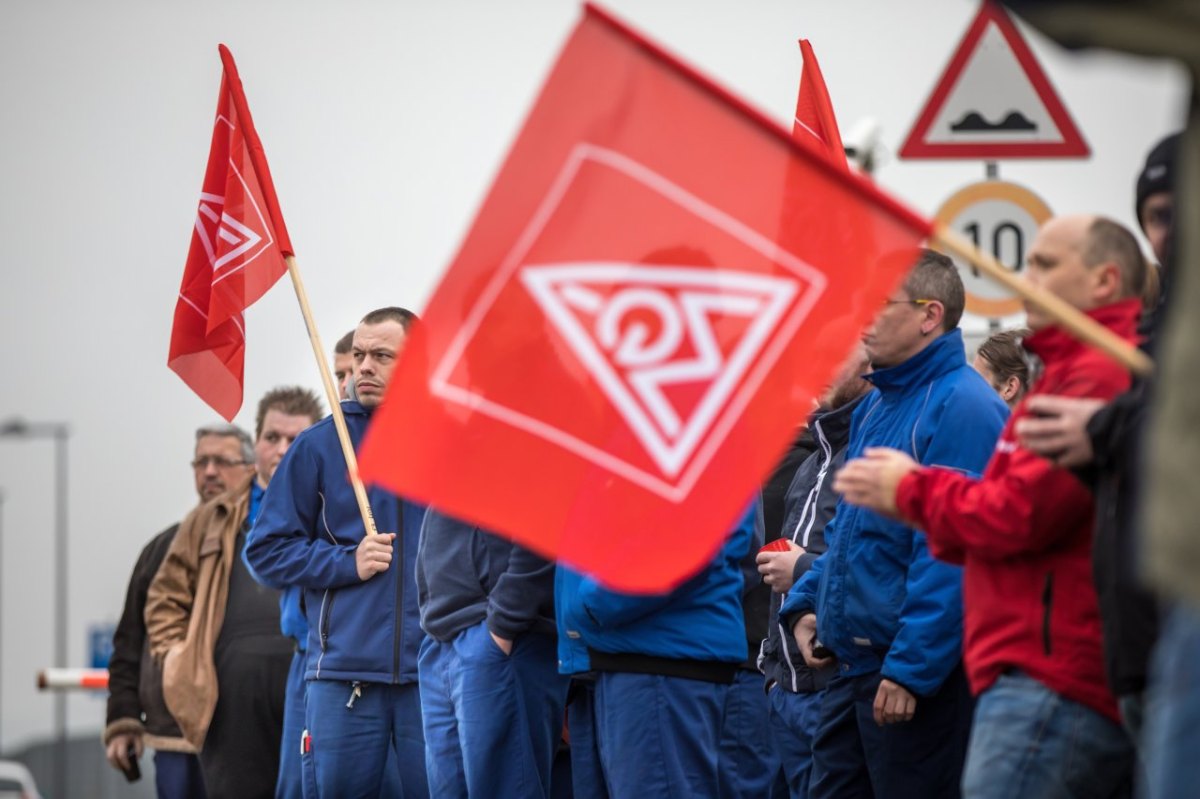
587, 776
792, 724
917, 759
351, 733
748, 761
492, 721
659, 736
290, 784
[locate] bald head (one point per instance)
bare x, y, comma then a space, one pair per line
1088, 261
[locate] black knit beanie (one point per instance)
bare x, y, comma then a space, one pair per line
1159, 172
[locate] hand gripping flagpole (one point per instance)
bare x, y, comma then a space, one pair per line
1074, 321
258, 158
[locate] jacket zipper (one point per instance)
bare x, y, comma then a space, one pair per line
398, 629
323, 630
1047, 604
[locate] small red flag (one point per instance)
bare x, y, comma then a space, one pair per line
237, 253
626, 340
814, 111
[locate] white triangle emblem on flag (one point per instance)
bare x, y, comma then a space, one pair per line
642, 331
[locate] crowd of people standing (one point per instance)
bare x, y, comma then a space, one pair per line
934, 595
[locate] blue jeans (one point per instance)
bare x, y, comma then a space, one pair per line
1172, 732
917, 759
792, 724
658, 736
177, 775
1028, 742
492, 721
748, 761
350, 745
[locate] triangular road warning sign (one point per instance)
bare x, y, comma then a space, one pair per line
994, 101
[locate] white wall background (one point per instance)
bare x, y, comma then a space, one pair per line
384, 123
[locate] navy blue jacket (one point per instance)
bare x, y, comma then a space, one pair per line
306, 535
882, 602
808, 506
700, 620
466, 575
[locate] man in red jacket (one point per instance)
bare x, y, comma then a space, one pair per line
1046, 723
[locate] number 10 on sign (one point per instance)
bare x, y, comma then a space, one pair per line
1002, 219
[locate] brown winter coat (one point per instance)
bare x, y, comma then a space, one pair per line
185, 608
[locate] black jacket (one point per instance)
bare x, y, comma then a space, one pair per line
1129, 614
135, 700
756, 601
810, 504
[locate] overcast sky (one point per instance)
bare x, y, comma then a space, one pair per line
384, 123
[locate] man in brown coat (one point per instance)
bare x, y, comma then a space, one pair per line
137, 715
216, 631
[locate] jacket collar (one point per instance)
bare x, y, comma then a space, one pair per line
835, 422
353, 408
944, 354
1053, 344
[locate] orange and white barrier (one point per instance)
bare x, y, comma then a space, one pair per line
72, 680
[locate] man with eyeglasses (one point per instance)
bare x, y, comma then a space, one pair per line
894, 719
214, 629
1023, 532
137, 716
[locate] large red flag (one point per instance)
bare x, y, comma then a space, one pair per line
237, 253
626, 340
814, 111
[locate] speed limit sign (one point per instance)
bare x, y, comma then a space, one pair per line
1000, 218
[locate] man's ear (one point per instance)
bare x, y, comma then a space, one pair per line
934, 313
1011, 388
1107, 285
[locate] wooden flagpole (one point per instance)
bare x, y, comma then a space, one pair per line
1074, 321
331, 394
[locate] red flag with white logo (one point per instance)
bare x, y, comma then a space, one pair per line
237, 253
814, 110
626, 341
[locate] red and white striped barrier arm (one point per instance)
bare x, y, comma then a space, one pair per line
72, 680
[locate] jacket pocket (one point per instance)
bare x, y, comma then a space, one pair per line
326, 614
1047, 608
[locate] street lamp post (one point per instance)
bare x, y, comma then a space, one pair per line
1, 612
59, 432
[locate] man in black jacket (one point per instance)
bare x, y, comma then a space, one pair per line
793, 689
137, 715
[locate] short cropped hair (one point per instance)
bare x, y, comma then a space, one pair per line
1110, 241
289, 400
392, 313
935, 277
1006, 358
225, 429
344, 344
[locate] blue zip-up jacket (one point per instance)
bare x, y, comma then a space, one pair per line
700, 620
466, 574
306, 535
882, 601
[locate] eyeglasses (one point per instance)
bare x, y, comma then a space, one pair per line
216, 460
886, 303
